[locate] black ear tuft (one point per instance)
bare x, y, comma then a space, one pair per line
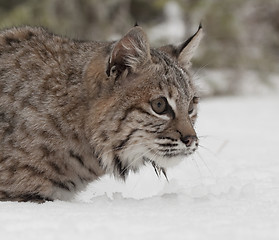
189, 47
189, 40
136, 24
184, 52
108, 68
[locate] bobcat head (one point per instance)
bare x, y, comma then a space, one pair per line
144, 104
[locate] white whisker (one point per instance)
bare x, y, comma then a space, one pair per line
222, 146
206, 165
152, 161
204, 136
212, 137
210, 151
196, 164
200, 69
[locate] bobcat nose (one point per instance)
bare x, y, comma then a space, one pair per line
189, 140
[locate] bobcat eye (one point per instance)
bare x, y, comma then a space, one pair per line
159, 105
191, 107
195, 100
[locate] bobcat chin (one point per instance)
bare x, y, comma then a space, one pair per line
72, 111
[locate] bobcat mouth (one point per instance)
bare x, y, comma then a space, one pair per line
158, 170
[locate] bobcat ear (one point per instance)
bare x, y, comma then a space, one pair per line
129, 52
184, 52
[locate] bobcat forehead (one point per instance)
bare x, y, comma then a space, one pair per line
72, 111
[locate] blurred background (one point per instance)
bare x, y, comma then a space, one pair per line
238, 55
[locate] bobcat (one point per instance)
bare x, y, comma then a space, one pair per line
72, 111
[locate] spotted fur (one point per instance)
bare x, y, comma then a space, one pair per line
72, 111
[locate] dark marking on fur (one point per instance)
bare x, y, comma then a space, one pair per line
168, 138
9, 124
158, 125
77, 157
72, 183
170, 145
55, 123
29, 35
11, 40
3, 159
75, 137
47, 134
126, 114
72, 78
55, 167
97, 156
153, 131
92, 172
59, 184
100, 161
12, 169
9, 130
4, 195
169, 155
104, 136
31, 197
25, 102
169, 150
35, 171
46, 151
3, 71
170, 93
2, 117
148, 124
27, 197
124, 142
119, 168
17, 146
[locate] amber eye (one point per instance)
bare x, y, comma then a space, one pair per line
191, 107
159, 105
195, 100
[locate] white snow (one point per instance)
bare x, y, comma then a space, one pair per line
230, 190
222, 81
172, 29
